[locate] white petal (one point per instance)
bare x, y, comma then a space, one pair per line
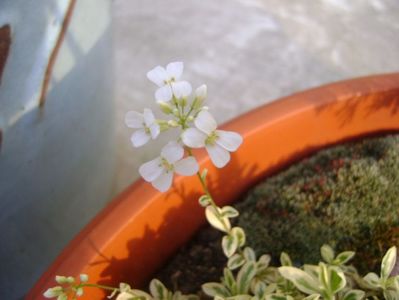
164, 93
219, 156
158, 76
229, 140
163, 182
181, 89
193, 138
149, 118
139, 138
201, 92
151, 170
187, 166
205, 122
175, 69
172, 152
155, 130
125, 296
133, 119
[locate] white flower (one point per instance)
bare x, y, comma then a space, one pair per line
218, 143
160, 170
145, 123
168, 82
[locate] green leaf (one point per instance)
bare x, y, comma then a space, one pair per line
228, 279
213, 216
388, 262
240, 235
244, 277
158, 290
213, 289
327, 253
302, 281
229, 245
235, 261
229, 211
285, 260
337, 280
249, 254
343, 257
354, 295
204, 200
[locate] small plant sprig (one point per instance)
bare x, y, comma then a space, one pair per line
245, 276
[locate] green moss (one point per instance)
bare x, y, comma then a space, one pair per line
346, 196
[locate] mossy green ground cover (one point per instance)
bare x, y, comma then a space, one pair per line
346, 196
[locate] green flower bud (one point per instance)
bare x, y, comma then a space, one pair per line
84, 277
173, 123
53, 292
176, 112
165, 107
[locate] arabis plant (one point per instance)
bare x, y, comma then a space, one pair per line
246, 276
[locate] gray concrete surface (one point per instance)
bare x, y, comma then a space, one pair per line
248, 52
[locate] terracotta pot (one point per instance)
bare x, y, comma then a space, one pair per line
141, 228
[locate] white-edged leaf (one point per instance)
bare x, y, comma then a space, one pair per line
141, 294
229, 245
354, 295
285, 260
278, 297
388, 262
337, 280
303, 281
228, 279
214, 218
249, 254
229, 211
204, 200
344, 257
158, 290
391, 294
259, 288
372, 280
235, 261
263, 262
312, 297
239, 297
244, 277
213, 289
240, 235
327, 253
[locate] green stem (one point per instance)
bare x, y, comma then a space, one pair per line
104, 287
206, 190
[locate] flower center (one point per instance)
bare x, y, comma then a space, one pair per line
166, 165
211, 139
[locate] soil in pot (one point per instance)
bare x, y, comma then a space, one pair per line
346, 196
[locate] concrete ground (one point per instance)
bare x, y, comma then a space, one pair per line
248, 52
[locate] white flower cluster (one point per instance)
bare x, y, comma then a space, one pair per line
197, 127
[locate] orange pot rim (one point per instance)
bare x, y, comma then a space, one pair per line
132, 236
